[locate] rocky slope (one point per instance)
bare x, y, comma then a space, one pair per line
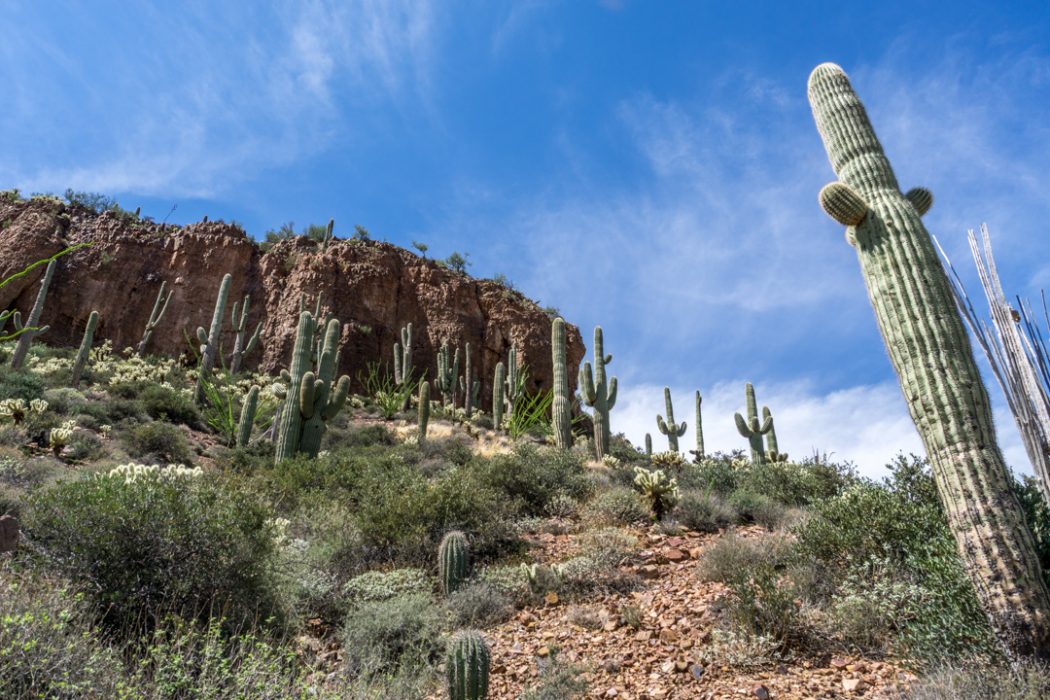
373, 288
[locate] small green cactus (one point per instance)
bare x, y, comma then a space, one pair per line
498, 388
453, 561
240, 347
159, 307
599, 395
698, 453
670, 428
210, 339
467, 666
424, 411
247, 421
561, 405
85, 350
30, 331
751, 428
659, 492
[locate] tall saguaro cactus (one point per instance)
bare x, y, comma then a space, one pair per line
599, 393
751, 428
698, 453
468, 385
403, 364
672, 430
447, 374
514, 387
498, 389
28, 334
85, 350
210, 340
929, 349
240, 347
247, 420
561, 406
159, 307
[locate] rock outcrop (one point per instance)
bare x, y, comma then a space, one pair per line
374, 288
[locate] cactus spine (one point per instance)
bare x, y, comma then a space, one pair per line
698, 453
241, 348
423, 411
772, 449
931, 352
561, 406
247, 421
453, 561
29, 331
670, 429
751, 428
447, 375
85, 350
210, 340
159, 307
468, 385
598, 394
498, 388
467, 666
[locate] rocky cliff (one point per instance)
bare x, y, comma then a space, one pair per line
373, 288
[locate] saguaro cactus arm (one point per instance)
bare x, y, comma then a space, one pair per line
931, 353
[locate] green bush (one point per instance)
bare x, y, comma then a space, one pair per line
402, 634
704, 512
157, 442
65, 400
114, 410
159, 544
732, 556
479, 604
377, 586
20, 384
758, 508
533, 477
982, 681
796, 484
167, 404
617, 506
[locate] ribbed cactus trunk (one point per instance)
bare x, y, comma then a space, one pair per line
513, 386
247, 421
242, 347
561, 406
468, 385
669, 428
291, 426
698, 453
599, 393
321, 396
403, 364
27, 336
648, 444
85, 350
497, 395
931, 352
467, 666
159, 307
423, 410
210, 341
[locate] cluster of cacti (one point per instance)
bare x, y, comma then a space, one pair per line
498, 390
423, 409
453, 561
598, 394
930, 350
247, 420
29, 331
467, 666
751, 428
670, 428
447, 378
312, 399
698, 453
668, 460
85, 350
209, 340
659, 492
61, 436
159, 307
772, 449
561, 406
468, 385
240, 346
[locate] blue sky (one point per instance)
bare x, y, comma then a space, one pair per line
648, 166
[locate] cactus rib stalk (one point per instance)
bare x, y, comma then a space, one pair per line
931, 353
561, 406
599, 394
210, 341
498, 387
240, 347
30, 330
698, 453
85, 350
247, 421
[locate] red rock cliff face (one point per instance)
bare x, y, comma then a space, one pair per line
373, 288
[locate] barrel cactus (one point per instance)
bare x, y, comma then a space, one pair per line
453, 561
467, 666
933, 358
672, 430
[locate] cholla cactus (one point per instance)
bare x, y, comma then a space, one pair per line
453, 561
38, 405
659, 492
240, 347
610, 461
133, 472
543, 579
467, 666
668, 460
61, 436
13, 410
672, 430
104, 430
159, 307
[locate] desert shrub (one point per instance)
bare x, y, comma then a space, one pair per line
732, 555
557, 680
1037, 515
704, 512
563, 506
617, 506
367, 435
115, 409
533, 477
85, 447
12, 435
65, 400
796, 484
377, 586
167, 404
982, 681
159, 543
717, 474
758, 508
47, 646
401, 634
508, 580
255, 458
479, 604
596, 567
157, 442
20, 384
